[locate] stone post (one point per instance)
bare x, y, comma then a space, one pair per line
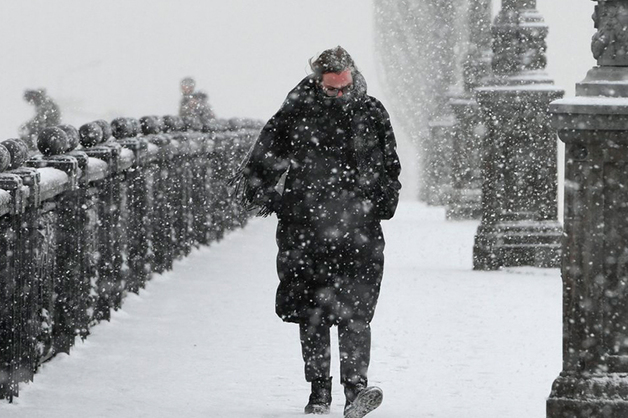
435, 186
594, 127
469, 130
519, 170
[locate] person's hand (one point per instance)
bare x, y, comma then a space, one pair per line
269, 200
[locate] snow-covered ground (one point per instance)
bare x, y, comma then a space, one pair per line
203, 340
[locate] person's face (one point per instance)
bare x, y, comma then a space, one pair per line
336, 85
187, 88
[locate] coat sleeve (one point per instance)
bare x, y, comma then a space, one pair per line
386, 203
266, 162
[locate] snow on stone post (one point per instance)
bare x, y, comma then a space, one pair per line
594, 127
140, 212
417, 44
466, 175
11, 188
519, 170
436, 148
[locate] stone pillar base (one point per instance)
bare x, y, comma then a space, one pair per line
518, 243
465, 204
466, 160
589, 396
436, 185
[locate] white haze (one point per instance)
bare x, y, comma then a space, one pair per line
125, 58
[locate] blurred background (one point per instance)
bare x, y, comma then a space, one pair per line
126, 58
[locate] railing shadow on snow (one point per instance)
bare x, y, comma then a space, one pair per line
81, 227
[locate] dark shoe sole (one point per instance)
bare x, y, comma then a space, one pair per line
366, 401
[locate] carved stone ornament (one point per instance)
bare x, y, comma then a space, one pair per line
519, 40
610, 43
476, 67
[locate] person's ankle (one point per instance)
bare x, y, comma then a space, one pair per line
320, 397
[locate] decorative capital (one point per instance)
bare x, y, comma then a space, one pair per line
477, 64
518, 4
519, 34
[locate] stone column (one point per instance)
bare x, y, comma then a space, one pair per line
435, 182
594, 128
519, 209
469, 130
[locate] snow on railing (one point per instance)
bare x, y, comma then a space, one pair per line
82, 225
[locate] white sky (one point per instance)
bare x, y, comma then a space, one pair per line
120, 57
125, 58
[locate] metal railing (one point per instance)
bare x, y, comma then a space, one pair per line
81, 228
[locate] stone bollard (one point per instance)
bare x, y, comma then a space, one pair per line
161, 156
55, 143
184, 160
465, 199
593, 126
199, 143
223, 166
139, 193
519, 170
95, 231
179, 181
435, 148
212, 129
27, 276
436, 160
11, 284
108, 181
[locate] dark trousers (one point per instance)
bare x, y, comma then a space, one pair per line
354, 339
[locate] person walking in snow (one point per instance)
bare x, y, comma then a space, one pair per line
326, 164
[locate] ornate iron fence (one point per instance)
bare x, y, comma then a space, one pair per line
80, 227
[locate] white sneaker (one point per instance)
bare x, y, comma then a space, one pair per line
366, 401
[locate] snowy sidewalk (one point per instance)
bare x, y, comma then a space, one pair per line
203, 340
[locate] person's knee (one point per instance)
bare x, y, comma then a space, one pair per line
354, 326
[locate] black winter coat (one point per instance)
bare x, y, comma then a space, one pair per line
329, 169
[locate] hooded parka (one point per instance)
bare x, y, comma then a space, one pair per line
327, 166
